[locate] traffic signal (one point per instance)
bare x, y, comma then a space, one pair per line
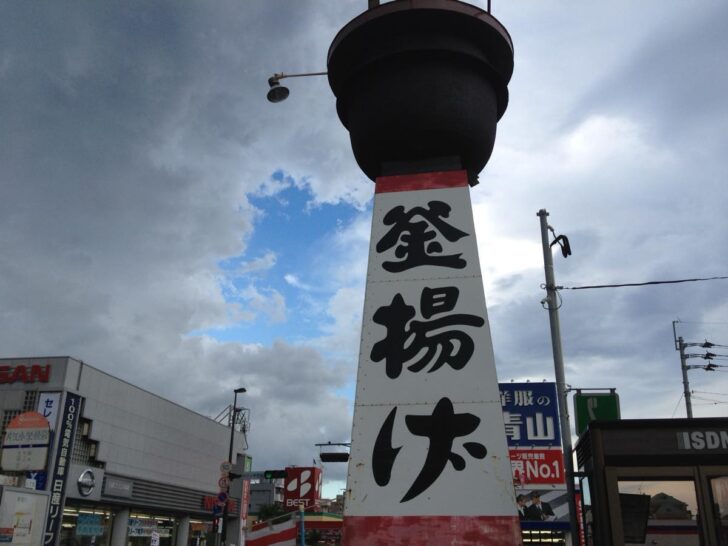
274, 474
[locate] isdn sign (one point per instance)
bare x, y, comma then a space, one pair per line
699, 439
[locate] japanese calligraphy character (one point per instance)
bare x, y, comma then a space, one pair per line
513, 423
415, 239
523, 398
536, 430
543, 400
442, 427
404, 342
384, 453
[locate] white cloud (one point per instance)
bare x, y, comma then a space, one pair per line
294, 281
263, 263
265, 301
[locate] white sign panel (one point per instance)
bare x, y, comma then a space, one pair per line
428, 437
48, 404
422, 235
22, 515
25, 445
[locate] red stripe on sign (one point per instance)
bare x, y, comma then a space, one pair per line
428, 530
274, 537
421, 181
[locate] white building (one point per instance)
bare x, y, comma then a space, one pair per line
134, 468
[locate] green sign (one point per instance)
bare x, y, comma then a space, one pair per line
602, 406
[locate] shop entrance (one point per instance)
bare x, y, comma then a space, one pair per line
658, 482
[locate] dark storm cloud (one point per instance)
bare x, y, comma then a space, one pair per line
131, 135
676, 81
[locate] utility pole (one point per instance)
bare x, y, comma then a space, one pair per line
233, 418
553, 307
686, 383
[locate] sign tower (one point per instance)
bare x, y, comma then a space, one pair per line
420, 85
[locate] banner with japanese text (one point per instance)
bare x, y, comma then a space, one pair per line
531, 420
65, 435
428, 443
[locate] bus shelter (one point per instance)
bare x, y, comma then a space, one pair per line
655, 481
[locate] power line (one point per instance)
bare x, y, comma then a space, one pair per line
713, 393
698, 322
676, 406
648, 283
714, 402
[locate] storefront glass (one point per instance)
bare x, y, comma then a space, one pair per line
201, 534
719, 492
93, 527
148, 530
671, 507
83, 527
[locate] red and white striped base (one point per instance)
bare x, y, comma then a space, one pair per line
281, 534
431, 530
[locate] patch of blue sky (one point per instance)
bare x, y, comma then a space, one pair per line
287, 262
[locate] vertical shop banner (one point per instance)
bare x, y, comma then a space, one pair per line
48, 406
428, 456
531, 414
63, 448
244, 504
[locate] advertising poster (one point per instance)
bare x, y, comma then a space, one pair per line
531, 419
21, 516
89, 525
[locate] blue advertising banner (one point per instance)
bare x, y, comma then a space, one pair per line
89, 525
64, 447
530, 414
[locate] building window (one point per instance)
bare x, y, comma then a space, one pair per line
8, 415
30, 403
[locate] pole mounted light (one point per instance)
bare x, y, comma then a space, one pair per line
552, 304
278, 92
233, 418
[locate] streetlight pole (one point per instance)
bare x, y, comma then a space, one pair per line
553, 307
234, 412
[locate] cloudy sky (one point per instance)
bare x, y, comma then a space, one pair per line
162, 221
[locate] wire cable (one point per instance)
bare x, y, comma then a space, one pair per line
648, 283
713, 393
677, 405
